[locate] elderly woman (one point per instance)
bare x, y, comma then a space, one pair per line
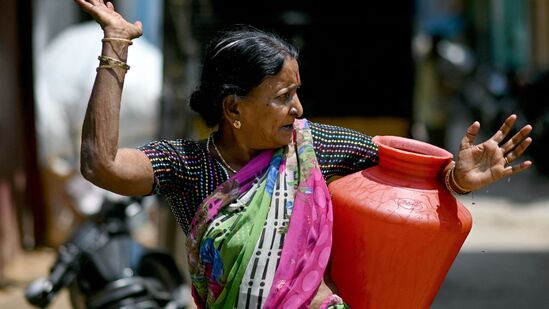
259, 181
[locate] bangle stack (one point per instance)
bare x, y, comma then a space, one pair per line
451, 183
111, 63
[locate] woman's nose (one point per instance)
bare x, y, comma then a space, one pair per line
297, 109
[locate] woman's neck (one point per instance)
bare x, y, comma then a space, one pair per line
233, 148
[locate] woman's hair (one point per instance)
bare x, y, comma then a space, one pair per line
238, 59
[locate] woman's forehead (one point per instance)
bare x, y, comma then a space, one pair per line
288, 76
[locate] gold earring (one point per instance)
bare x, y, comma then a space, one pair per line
237, 124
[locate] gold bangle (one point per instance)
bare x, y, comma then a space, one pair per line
119, 40
114, 62
450, 174
447, 181
460, 188
105, 66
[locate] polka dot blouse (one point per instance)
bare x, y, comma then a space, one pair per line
186, 173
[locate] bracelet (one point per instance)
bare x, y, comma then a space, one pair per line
450, 174
120, 40
454, 182
105, 66
447, 181
113, 62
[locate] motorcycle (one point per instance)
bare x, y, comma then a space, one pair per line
103, 266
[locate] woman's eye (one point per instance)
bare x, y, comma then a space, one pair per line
284, 97
287, 97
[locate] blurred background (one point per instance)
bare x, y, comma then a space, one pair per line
423, 69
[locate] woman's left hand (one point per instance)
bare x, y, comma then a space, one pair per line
485, 163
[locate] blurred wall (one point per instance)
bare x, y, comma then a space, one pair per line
355, 59
20, 188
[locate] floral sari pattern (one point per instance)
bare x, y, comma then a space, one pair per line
228, 224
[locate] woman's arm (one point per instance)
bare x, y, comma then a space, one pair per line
341, 151
123, 171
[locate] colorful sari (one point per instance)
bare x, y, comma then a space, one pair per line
263, 238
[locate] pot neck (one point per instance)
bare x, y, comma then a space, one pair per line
412, 162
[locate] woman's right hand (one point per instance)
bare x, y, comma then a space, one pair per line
112, 23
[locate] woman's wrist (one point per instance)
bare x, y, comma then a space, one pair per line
117, 33
117, 40
114, 53
450, 180
457, 184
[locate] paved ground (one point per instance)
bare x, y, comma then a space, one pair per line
504, 262
23, 270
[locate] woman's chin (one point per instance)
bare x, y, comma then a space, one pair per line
281, 142
286, 137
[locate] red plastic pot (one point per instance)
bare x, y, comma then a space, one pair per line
397, 230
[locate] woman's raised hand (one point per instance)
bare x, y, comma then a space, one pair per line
112, 23
485, 163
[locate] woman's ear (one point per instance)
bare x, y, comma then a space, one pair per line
231, 109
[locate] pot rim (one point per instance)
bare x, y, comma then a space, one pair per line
411, 147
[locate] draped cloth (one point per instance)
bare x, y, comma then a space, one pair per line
281, 193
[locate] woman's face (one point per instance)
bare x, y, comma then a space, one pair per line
268, 112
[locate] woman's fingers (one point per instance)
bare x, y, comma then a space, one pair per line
93, 7
504, 129
139, 26
95, 3
85, 5
516, 139
518, 150
104, 13
468, 139
514, 169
